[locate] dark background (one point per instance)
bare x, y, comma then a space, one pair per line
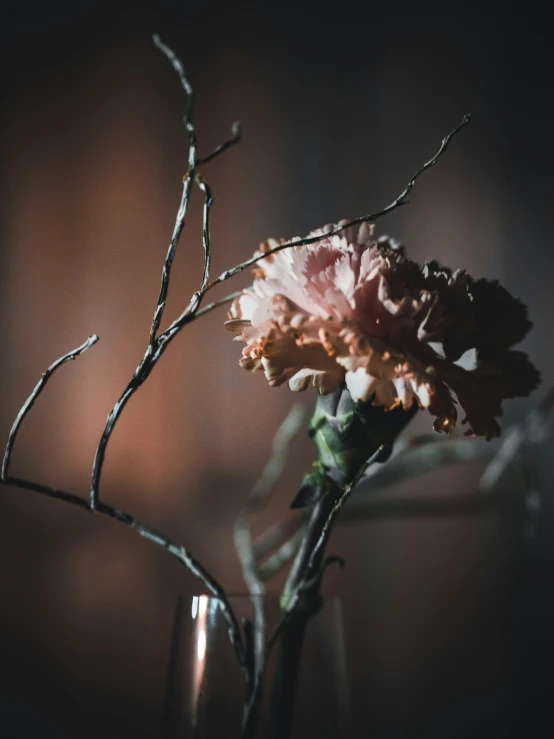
448, 621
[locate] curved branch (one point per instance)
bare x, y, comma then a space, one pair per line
154, 350
208, 202
276, 561
140, 527
177, 65
187, 185
247, 555
314, 567
157, 344
217, 303
155, 347
236, 136
26, 407
396, 203
166, 270
150, 533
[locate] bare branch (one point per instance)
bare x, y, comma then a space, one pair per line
205, 230
286, 432
48, 490
415, 462
34, 395
153, 352
187, 185
236, 131
335, 510
311, 569
217, 303
411, 463
178, 67
138, 378
256, 588
166, 271
189, 314
252, 660
243, 543
260, 495
278, 532
396, 203
155, 346
275, 562
150, 533
140, 527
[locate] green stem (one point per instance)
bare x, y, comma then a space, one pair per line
292, 636
347, 436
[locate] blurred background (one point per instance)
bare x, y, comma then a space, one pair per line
448, 620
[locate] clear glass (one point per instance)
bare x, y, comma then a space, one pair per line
205, 686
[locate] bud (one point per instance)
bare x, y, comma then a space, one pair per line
346, 434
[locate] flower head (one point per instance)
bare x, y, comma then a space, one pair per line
350, 308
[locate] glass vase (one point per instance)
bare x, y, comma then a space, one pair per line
206, 689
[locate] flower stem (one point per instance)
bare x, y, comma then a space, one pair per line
349, 437
286, 676
303, 573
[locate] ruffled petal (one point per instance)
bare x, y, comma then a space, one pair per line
351, 308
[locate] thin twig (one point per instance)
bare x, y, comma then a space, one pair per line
326, 530
256, 588
147, 363
203, 185
309, 571
140, 527
166, 270
217, 303
178, 67
278, 532
26, 407
413, 462
253, 581
157, 345
187, 184
236, 131
153, 352
243, 542
275, 562
461, 505
192, 311
279, 451
396, 203
188, 315
150, 533
260, 495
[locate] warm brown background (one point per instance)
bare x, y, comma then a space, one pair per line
447, 619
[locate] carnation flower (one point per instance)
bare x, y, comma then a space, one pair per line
352, 309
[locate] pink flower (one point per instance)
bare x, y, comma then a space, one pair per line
352, 309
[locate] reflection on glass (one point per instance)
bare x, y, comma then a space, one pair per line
199, 613
205, 687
